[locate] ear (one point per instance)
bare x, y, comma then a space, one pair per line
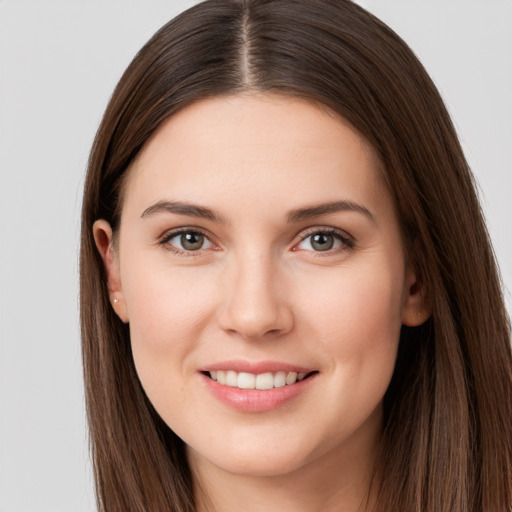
416, 308
103, 237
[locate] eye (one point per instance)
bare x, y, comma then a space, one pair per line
187, 241
323, 241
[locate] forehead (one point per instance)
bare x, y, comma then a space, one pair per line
255, 147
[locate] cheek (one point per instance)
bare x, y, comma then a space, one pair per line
357, 330
356, 298
162, 300
167, 316
355, 316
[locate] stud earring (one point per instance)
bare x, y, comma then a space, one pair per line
116, 301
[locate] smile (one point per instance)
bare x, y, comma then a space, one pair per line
261, 381
257, 387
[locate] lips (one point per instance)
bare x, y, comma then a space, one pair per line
256, 387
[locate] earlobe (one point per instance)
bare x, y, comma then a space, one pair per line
102, 233
416, 308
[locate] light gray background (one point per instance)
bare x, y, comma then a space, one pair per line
59, 61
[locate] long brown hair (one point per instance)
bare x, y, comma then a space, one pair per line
447, 440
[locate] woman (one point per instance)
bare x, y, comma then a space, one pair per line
289, 298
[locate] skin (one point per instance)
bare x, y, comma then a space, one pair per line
258, 290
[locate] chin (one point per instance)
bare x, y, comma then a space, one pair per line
270, 459
260, 466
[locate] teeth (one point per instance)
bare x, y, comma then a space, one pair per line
280, 380
231, 378
244, 380
264, 381
291, 378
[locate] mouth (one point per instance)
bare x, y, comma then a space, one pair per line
257, 386
260, 381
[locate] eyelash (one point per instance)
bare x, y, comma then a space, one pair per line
164, 241
346, 240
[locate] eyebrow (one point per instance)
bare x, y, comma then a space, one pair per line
294, 216
301, 214
181, 208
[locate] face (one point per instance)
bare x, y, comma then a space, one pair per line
261, 269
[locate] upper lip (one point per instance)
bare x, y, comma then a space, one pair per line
255, 367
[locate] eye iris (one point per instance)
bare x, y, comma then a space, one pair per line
322, 242
192, 241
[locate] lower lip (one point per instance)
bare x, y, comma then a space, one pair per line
256, 400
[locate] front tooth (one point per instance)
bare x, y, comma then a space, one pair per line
246, 380
231, 378
291, 378
265, 381
221, 376
280, 379
213, 375
301, 375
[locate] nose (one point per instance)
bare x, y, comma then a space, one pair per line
256, 305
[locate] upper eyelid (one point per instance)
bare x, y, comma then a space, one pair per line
325, 229
302, 235
165, 238
347, 240
171, 233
